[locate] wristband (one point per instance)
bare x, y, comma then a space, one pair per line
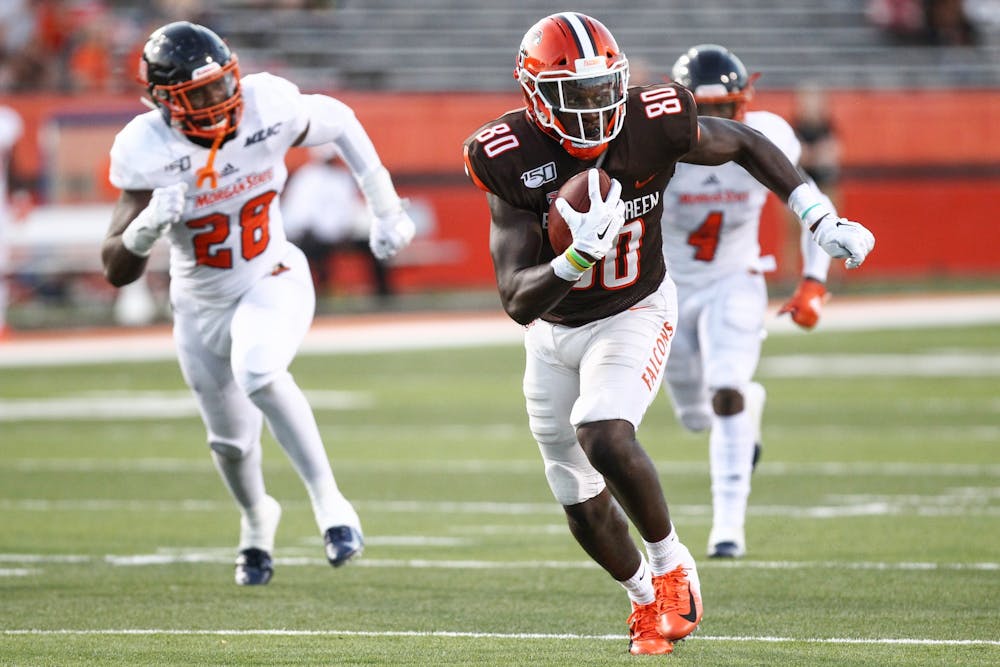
565, 269
137, 237
807, 206
576, 259
380, 193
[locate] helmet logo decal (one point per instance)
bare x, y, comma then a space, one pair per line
584, 65
205, 70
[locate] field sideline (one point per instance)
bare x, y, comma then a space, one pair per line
401, 331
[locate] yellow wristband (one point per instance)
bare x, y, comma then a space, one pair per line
577, 260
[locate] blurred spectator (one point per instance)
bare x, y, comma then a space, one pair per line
813, 124
90, 64
947, 24
902, 20
925, 22
11, 128
325, 216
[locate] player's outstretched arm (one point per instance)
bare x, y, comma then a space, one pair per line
331, 120
722, 141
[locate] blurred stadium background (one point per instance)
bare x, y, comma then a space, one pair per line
913, 88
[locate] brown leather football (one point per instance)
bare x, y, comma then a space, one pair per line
575, 192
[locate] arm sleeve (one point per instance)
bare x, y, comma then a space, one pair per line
332, 120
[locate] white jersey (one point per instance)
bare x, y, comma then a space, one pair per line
711, 215
230, 235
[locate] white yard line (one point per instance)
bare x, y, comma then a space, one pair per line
917, 641
225, 555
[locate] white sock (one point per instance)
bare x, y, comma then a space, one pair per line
730, 449
293, 424
664, 555
640, 585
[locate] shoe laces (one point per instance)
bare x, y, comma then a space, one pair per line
642, 621
672, 590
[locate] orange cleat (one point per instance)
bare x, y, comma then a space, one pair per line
678, 594
643, 635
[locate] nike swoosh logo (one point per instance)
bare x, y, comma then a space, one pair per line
692, 614
602, 234
641, 184
840, 224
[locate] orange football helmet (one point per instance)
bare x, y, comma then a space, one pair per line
574, 79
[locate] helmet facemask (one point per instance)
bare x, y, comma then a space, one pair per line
716, 100
586, 107
209, 104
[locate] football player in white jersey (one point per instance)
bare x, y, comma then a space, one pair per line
204, 169
711, 226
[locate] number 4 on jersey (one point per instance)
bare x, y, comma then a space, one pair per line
705, 239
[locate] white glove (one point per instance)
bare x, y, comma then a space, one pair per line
164, 209
841, 237
596, 231
390, 234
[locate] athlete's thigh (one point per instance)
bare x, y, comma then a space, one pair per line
623, 366
228, 414
733, 330
270, 321
551, 387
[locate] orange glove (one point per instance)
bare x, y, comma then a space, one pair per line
806, 303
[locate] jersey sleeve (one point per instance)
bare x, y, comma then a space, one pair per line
476, 158
681, 127
278, 99
137, 156
663, 121
497, 155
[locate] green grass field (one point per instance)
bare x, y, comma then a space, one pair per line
874, 529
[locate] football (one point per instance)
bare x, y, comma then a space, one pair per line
575, 192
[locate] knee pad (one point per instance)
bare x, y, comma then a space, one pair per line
228, 450
570, 484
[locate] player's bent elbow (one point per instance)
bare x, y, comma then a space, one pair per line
522, 316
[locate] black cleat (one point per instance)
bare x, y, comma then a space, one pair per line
342, 544
726, 550
253, 567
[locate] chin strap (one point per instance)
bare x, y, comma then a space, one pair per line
208, 171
